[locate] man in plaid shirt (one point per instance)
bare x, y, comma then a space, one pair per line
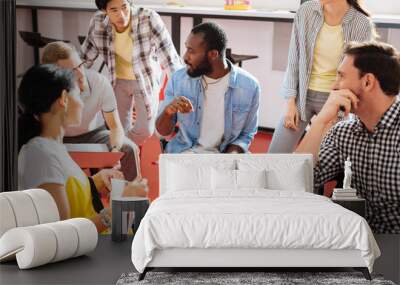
133, 43
367, 85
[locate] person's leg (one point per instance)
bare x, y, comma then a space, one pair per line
124, 96
285, 140
315, 101
130, 161
144, 127
94, 136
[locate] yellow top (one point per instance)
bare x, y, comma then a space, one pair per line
123, 45
79, 198
327, 55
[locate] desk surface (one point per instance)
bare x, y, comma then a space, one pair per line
102, 266
189, 10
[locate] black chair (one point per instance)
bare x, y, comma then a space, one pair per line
81, 39
36, 40
238, 58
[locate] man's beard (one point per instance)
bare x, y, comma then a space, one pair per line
203, 68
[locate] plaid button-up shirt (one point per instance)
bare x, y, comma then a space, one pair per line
152, 47
375, 159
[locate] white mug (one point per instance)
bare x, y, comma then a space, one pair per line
117, 188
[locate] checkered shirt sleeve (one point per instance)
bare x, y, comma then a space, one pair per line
165, 49
328, 165
89, 51
375, 157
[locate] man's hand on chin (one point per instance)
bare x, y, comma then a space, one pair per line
339, 100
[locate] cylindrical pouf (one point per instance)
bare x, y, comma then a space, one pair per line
45, 205
23, 207
67, 239
40, 244
7, 217
34, 246
87, 235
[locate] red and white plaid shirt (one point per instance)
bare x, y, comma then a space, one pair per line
152, 47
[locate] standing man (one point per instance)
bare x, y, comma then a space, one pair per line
215, 102
367, 85
99, 101
133, 43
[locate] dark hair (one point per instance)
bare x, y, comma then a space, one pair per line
380, 59
359, 7
213, 35
40, 87
102, 4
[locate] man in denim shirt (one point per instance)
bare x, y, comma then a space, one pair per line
214, 102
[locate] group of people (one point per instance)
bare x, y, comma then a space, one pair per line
334, 66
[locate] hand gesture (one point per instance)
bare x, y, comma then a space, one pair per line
107, 174
137, 188
180, 104
291, 116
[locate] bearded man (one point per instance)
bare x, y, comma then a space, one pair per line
214, 102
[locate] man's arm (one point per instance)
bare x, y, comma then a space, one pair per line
89, 50
171, 105
313, 138
116, 130
165, 123
165, 49
325, 119
108, 105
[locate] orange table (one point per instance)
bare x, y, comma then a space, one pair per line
86, 159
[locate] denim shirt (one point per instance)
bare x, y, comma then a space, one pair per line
241, 109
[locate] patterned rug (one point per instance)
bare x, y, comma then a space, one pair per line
243, 278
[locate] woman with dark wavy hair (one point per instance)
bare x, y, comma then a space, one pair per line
320, 30
50, 99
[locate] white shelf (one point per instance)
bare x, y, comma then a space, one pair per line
192, 10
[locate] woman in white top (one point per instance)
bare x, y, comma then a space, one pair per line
320, 31
50, 99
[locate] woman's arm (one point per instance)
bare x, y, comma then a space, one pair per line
59, 195
291, 79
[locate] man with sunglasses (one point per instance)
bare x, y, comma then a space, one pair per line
99, 107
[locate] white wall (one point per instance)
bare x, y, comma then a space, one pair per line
374, 6
245, 37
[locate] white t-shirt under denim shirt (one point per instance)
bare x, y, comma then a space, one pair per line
42, 161
99, 97
213, 122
